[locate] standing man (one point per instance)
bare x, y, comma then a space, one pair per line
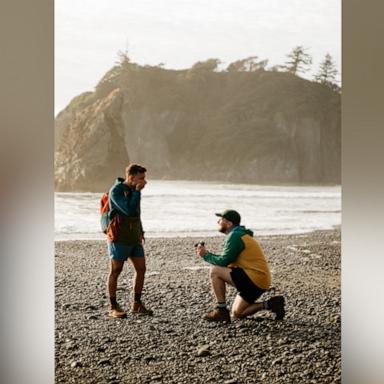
126, 237
242, 264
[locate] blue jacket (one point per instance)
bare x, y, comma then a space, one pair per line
124, 200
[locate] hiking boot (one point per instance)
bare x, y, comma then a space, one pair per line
139, 308
276, 305
116, 311
218, 314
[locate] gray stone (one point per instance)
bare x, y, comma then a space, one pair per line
104, 361
203, 351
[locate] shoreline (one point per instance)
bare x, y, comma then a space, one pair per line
304, 347
162, 237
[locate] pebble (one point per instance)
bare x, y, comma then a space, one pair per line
203, 351
91, 308
76, 364
104, 361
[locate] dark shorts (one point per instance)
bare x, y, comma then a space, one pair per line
246, 287
122, 252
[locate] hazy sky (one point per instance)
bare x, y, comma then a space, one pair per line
89, 34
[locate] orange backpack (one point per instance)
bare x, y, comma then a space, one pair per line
104, 212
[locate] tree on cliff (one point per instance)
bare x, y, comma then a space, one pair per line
249, 64
201, 69
298, 61
123, 58
209, 65
327, 73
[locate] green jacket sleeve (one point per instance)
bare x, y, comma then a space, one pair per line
232, 248
129, 206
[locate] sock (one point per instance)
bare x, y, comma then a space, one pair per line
266, 305
221, 304
137, 297
113, 301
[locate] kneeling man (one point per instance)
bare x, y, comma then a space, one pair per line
243, 265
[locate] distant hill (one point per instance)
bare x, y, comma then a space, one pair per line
259, 127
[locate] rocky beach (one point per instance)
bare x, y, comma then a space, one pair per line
176, 345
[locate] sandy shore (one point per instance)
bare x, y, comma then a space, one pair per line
176, 345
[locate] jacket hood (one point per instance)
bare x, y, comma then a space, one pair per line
119, 180
242, 230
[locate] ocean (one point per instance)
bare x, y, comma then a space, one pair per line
187, 208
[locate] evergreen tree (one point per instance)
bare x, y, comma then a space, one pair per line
123, 58
327, 72
299, 61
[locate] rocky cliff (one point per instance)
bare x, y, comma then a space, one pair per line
253, 127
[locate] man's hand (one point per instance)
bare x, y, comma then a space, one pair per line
201, 250
140, 185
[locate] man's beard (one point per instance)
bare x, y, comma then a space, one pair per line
222, 229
